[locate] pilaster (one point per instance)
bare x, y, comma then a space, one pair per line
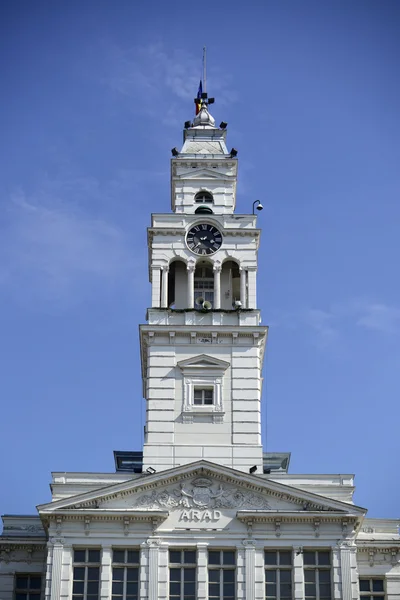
336, 574
154, 548
241, 575
163, 591
243, 283
202, 574
155, 286
164, 286
298, 574
57, 554
250, 566
106, 573
144, 572
348, 561
66, 572
252, 288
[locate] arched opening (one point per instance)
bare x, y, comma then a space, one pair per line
177, 285
203, 197
203, 210
230, 285
203, 283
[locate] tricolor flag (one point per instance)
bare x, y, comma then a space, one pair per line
198, 99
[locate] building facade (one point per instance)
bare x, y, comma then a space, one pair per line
201, 512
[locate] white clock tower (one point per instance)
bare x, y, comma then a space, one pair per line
202, 349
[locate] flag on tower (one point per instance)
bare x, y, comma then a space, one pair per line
198, 99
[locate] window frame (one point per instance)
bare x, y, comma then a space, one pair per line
182, 566
317, 568
278, 568
222, 567
125, 566
203, 372
371, 595
204, 197
203, 390
30, 593
86, 565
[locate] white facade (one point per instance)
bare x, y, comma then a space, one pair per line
205, 518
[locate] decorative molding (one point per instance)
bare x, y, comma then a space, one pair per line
278, 523
317, 523
202, 495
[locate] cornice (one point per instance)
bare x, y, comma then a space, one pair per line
323, 516
92, 500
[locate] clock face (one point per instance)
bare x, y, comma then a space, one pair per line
204, 239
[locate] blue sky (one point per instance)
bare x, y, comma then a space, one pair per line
94, 95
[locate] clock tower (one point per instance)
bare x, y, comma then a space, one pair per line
202, 348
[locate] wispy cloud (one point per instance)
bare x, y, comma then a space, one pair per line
56, 248
155, 79
380, 317
334, 323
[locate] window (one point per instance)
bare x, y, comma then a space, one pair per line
125, 574
203, 396
204, 197
182, 574
317, 574
278, 574
27, 587
371, 588
221, 575
86, 582
203, 285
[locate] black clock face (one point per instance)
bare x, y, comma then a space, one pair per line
204, 239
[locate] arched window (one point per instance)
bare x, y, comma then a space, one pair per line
203, 197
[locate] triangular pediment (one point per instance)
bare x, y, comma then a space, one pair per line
201, 486
205, 174
203, 361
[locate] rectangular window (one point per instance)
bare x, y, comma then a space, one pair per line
221, 575
182, 575
203, 396
86, 570
27, 587
278, 574
317, 574
125, 574
372, 588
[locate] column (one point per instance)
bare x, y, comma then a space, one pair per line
250, 568
252, 288
202, 575
106, 573
155, 286
58, 544
164, 287
298, 574
153, 568
190, 285
243, 277
217, 286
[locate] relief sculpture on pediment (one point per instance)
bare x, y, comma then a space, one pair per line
203, 494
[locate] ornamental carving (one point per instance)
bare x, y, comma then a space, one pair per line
202, 494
